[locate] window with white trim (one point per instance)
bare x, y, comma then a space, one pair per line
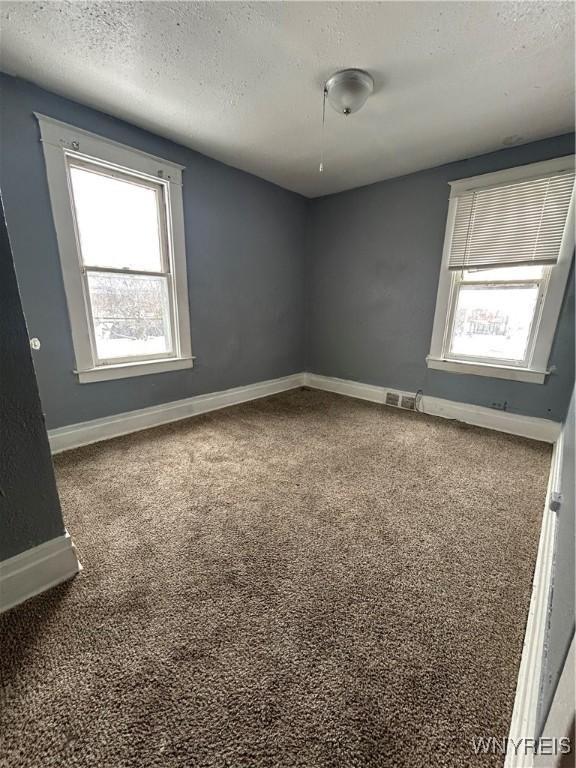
507, 252
119, 222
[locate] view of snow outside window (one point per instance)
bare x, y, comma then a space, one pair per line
119, 228
131, 315
494, 321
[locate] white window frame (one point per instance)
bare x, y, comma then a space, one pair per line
62, 144
552, 288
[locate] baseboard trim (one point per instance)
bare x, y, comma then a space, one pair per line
480, 416
87, 432
36, 570
523, 724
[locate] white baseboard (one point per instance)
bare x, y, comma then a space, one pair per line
523, 724
84, 433
480, 416
36, 570
87, 432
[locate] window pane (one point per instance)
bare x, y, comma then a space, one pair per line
493, 322
502, 273
117, 222
131, 315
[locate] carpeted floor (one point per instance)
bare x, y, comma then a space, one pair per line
306, 581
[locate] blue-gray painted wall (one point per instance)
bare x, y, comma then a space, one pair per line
343, 285
374, 256
244, 247
29, 505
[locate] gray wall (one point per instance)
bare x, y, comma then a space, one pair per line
562, 616
29, 505
244, 242
343, 285
374, 257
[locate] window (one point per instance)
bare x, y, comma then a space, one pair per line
507, 253
119, 223
494, 314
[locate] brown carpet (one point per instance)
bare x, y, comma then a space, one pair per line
305, 581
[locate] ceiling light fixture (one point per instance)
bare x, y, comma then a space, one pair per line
347, 91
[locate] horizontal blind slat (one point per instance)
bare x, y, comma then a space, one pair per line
509, 224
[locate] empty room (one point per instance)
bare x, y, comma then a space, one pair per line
287, 352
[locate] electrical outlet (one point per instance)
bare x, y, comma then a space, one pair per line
392, 399
409, 402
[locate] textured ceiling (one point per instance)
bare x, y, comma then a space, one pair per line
242, 82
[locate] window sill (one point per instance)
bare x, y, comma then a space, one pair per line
128, 370
483, 369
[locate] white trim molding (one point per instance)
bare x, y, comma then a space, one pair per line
511, 175
65, 147
36, 570
492, 371
129, 370
480, 416
62, 135
87, 432
524, 715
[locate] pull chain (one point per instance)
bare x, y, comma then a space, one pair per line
321, 168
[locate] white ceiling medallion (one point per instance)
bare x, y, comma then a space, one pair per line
347, 91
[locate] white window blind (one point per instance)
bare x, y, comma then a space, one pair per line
510, 224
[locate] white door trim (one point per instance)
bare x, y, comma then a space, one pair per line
523, 724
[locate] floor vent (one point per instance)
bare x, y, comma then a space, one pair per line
409, 402
392, 399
